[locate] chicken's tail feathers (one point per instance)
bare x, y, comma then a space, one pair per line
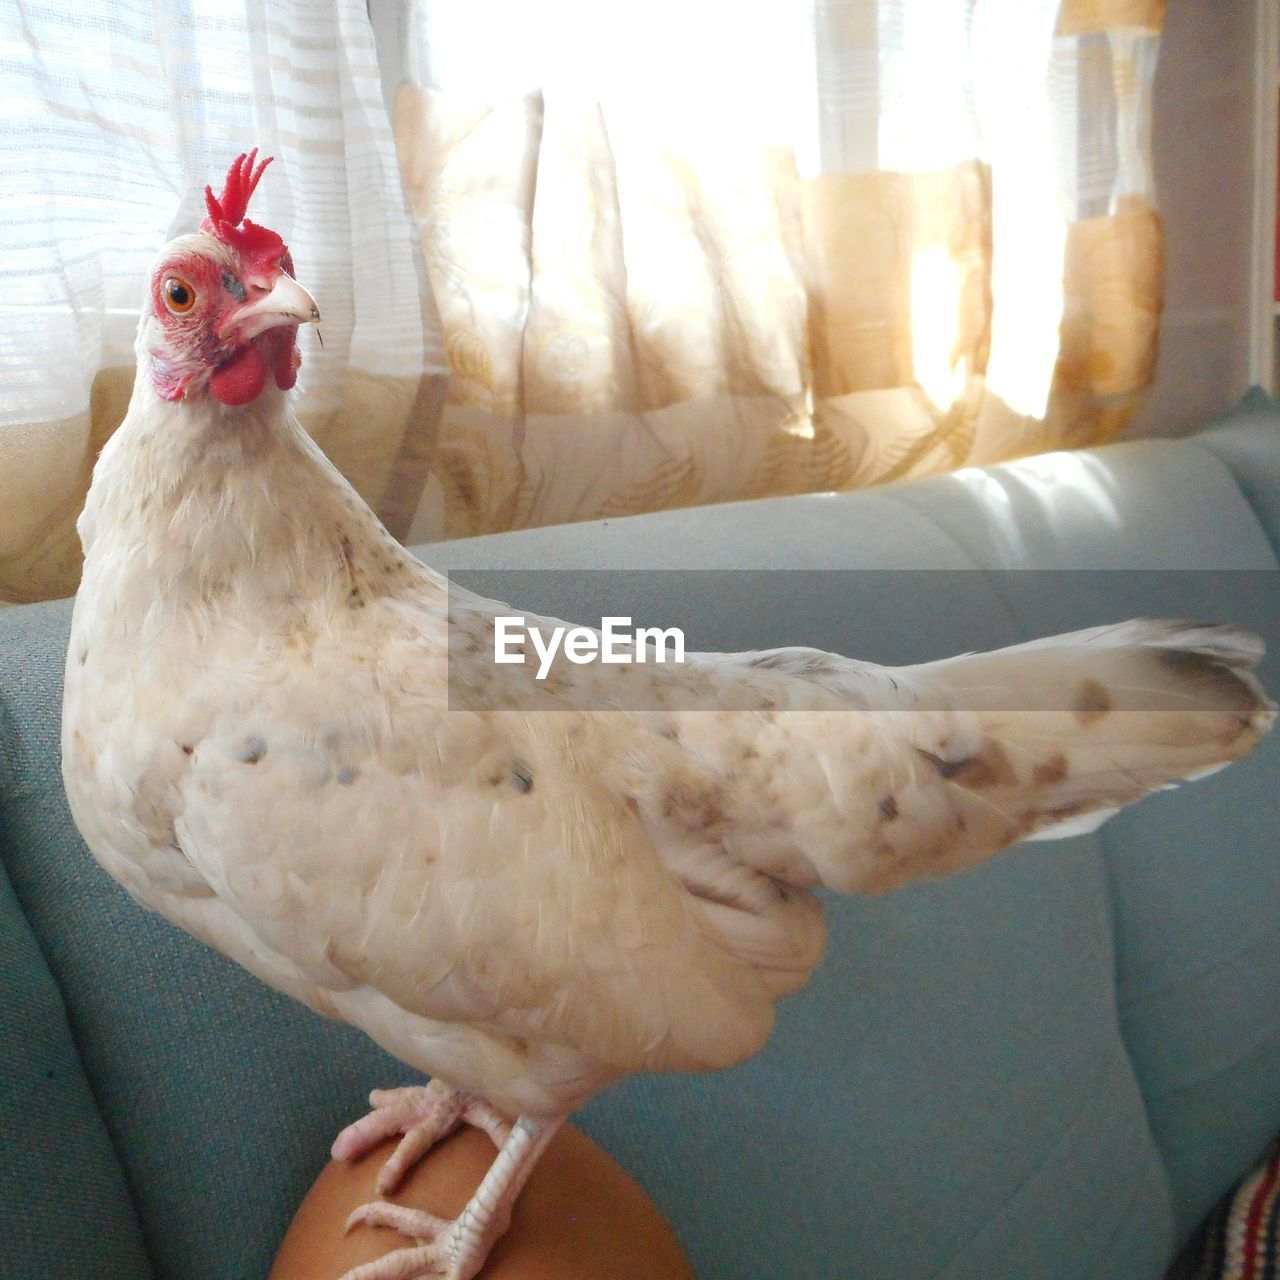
1087, 722
1154, 666
950, 762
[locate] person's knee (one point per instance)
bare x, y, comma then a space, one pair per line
580, 1217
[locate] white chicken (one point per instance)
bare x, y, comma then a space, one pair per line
269, 738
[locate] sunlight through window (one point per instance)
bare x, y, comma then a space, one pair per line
935, 319
1010, 48
984, 63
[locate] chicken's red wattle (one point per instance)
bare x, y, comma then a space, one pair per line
241, 378
285, 359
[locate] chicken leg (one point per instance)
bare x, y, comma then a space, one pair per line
444, 1250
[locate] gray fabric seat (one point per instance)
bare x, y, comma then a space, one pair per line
1048, 1067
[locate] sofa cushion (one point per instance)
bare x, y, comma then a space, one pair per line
1197, 897
63, 1196
1195, 876
956, 1070
949, 1097
1064, 540
1197, 894
220, 1096
1244, 440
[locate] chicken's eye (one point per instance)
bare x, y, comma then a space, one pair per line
179, 296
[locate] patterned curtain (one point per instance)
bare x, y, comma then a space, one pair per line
117, 112
690, 252
675, 252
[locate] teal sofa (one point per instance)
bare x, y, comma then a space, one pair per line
1050, 1067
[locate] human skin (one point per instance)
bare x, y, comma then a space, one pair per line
579, 1218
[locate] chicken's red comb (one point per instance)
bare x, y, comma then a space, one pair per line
242, 181
260, 247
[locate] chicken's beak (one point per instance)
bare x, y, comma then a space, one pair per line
287, 303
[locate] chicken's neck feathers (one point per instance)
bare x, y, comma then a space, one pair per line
194, 503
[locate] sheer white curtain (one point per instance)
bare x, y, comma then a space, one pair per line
115, 115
